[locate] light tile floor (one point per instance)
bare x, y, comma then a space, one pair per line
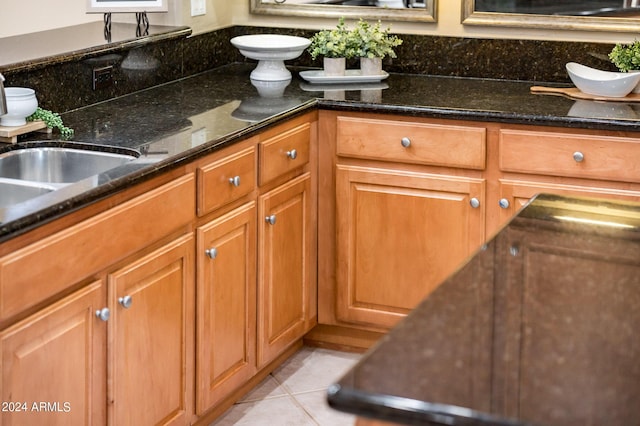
295, 393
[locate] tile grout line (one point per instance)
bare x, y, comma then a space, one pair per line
292, 395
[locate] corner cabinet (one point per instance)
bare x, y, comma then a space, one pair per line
409, 203
404, 200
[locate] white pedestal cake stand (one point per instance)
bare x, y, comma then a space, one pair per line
270, 50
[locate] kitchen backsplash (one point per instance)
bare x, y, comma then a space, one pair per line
65, 84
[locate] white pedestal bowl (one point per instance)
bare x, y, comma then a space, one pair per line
270, 50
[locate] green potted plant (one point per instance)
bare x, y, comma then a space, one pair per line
626, 57
374, 44
334, 46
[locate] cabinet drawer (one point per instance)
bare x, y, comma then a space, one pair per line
433, 144
284, 152
571, 155
38, 271
226, 180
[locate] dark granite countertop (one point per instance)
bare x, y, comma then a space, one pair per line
44, 48
539, 327
179, 121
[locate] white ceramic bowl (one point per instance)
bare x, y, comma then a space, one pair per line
602, 83
270, 46
21, 103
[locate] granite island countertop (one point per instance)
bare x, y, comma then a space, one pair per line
183, 120
539, 327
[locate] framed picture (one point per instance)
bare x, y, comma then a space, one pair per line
115, 6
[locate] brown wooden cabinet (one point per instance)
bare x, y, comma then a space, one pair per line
115, 330
226, 305
151, 330
286, 267
408, 198
533, 161
53, 364
403, 200
256, 254
399, 235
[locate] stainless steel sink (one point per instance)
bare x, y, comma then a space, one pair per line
30, 172
12, 192
58, 165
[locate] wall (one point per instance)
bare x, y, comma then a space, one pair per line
22, 16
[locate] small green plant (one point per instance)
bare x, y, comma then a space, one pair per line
52, 120
335, 43
626, 57
373, 41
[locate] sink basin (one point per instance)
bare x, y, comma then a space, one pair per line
58, 165
16, 192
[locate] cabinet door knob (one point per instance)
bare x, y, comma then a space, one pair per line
475, 203
271, 220
103, 314
212, 253
235, 181
504, 203
406, 142
578, 157
293, 154
125, 301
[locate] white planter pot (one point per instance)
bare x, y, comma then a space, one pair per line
371, 66
334, 66
637, 88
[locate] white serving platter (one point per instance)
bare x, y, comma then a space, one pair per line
351, 76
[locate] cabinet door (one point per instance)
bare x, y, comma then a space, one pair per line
226, 305
514, 194
150, 337
285, 267
54, 364
399, 234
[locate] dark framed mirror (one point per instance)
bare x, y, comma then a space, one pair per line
588, 15
387, 10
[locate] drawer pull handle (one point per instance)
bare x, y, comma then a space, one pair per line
504, 203
406, 142
271, 220
235, 181
293, 154
578, 156
475, 203
211, 253
125, 301
103, 314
